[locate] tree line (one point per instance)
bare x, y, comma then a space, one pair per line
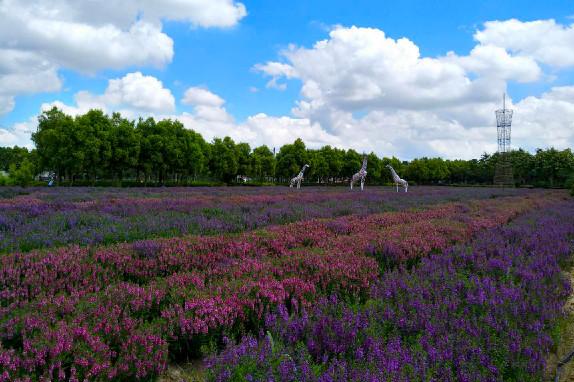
95, 147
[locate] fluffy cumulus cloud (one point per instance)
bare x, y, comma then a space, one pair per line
24, 73
543, 40
206, 114
132, 95
19, 134
41, 36
548, 119
210, 118
377, 93
365, 90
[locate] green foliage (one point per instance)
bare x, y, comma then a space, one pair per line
4, 180
95, 148
12, 155
23, 175
262, 163
224, 162
291, 158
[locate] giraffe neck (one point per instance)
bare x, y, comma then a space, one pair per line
395, 176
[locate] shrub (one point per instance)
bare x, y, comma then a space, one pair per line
23, 175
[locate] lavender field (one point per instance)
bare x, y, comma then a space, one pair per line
46, 218
274, 284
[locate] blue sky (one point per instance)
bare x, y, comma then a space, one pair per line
222, 58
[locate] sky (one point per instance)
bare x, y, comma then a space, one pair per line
399, 78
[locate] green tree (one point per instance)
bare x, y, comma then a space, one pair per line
553, 167
93, 139
125, 146
151, 156
351, 163
334, 158
319, 168
12, 155
291, 158
224, 162
458, 170
262, 163
522, 166
57, 144
196, 154
418, 170
22, 175
243, 152
374, 168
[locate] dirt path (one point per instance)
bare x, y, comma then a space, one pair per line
566, 339
189, 372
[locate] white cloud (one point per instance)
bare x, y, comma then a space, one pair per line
276, 70
545, 121
93, 35
378, 93
361, 89
133, 95
543, 40
203, 13
495, 62
141, 92
24, 73
19, 135
201, 97
37, 37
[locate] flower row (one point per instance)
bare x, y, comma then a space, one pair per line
120, 311
476, 312
48, 218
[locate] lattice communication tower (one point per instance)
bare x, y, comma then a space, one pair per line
503, 171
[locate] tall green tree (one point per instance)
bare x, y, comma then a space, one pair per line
291, 158
224, 162
351, 163
93, 139
57, 143
12, 155
262, 163
125, 146
243, 152
196, 154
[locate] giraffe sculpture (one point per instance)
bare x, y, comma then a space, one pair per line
361, 175
398, 180
297, 180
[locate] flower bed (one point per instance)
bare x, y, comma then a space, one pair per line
47, 218
119, 311
476, 312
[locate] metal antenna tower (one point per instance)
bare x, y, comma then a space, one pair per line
503, 171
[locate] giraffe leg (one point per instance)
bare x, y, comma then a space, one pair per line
362, 184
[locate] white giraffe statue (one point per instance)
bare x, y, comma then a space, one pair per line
298, 178
398, 180
361, 175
